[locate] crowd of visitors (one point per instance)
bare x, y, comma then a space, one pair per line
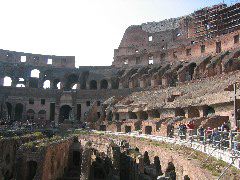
222, 137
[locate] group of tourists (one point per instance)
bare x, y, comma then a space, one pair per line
222, 137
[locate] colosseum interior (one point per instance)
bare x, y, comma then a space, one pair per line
167, 108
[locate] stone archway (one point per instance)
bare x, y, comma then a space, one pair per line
128, 129
148, 130
18, 112
32, 169
64, 113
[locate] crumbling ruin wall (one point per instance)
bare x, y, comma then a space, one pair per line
182, 164
43, 161
8, 154
208, 31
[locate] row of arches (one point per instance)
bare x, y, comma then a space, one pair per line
93, 84
31, 115
189, 112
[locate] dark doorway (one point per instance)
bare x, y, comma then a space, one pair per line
76, 158
18, 112
93, 84
210, 111
32, 169
52, 111
218, 47
33, 83
132, 115
64, 113
148, 129
128, 129
104, 84
79, 111
103, 128
9, 109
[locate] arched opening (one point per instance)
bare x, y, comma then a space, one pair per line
18, 112
33, 83
71, 82
179, 112
46, 84
30, 114
115, 84
209, 111
148, 130
117, 116
109, 116
77, 158
98, 168
9, 110
191, 70
7, 81
32, 169
104, 84
193, 112
64, 113
56, 84
155, 114
42, 115
132, 115
74, 86
128, 129
35, 73
93, 84
143, 115
20, 85
103, 128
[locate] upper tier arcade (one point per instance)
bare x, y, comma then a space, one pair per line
37, 59
205, 32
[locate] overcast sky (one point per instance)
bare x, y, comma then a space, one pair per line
87, 29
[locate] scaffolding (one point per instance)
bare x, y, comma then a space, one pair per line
217, 20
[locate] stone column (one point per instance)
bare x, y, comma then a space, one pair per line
109, 85
57, 112
27, 82
1, 81
120, 85
98, 85
87, 85
14, 82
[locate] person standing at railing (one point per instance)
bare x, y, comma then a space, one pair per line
209, 134
182, 131
170, 130
236, 141
201, 133
191, 127
225, 135
216, 137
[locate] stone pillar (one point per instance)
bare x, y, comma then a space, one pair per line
150, 114
86, 164
51, 85
14, 82
98, 85
138, 115
1, 81
109, 85
131, 84
87, 85
27, 83
120, 85
142, 83
201, 111
57, 112
154, 83
186, 113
